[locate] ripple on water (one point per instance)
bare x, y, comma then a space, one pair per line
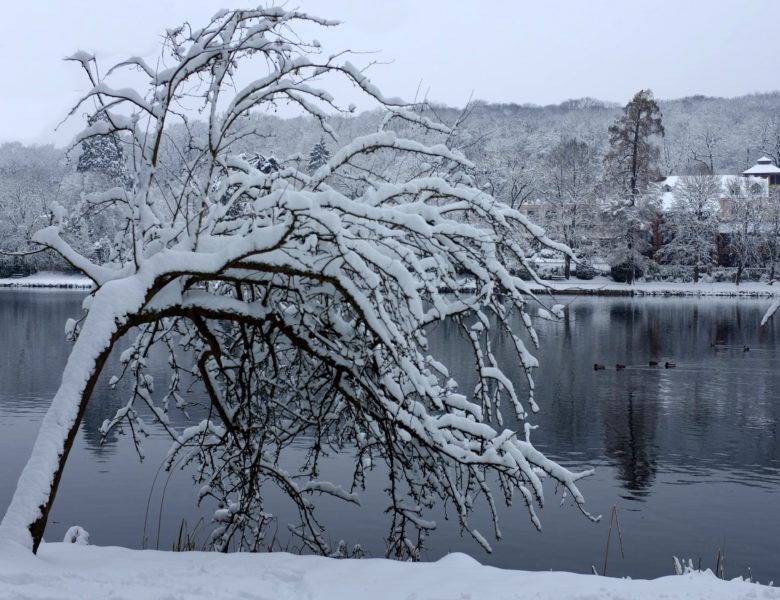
690, 456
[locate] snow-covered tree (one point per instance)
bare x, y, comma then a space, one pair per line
319, 155
30, 182
507, 176
769, 144
746, 223
628, 225
301, 312
630, 166
631, 161
102, 154
706, 148
693, 223
570, 179
771, 231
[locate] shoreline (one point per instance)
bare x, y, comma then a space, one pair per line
600, 286
47, 279
603, 286
62, 570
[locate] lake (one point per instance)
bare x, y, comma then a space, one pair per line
689, 456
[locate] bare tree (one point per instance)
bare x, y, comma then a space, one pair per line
571, 174
770, 139
771, 231
706, 149
302, 312
746, 223
693, 223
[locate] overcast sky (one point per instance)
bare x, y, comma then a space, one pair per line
541, 51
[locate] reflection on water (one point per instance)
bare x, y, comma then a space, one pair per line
690, 455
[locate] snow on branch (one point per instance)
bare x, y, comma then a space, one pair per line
301, 304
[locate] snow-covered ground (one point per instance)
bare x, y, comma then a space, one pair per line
605, 285
46, 279
74, 571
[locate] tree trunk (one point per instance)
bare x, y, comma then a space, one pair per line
567, 266
739, 274
38, 527
634, 159
696, 273
25, 520
657, 237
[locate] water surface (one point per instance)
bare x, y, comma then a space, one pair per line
690, 456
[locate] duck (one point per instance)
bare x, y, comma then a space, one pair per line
745, 348
669, 365
598, 367
653, 363
620, 366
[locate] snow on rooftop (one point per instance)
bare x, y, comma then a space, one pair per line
764, 160
667, 186
762, 168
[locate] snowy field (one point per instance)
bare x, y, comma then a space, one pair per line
73, 571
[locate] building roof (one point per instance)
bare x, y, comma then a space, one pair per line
728, 183
764, 166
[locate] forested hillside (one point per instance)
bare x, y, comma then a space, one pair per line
513, 148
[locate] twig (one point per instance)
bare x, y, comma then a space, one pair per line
614, 517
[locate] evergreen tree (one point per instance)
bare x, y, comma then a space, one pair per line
318, 156
630, 166
102, 153
631, 160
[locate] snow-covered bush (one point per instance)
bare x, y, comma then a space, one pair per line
299, 302
625, 272
585, 271
547, 271
675, 273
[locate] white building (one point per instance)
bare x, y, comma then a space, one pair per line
764, 169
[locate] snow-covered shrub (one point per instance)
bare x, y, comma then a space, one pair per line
546, 271
76, 535
625, 272
585, 271
299, 302
673, 273
729, 274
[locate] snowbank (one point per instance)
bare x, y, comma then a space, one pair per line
46, 279
74, 571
